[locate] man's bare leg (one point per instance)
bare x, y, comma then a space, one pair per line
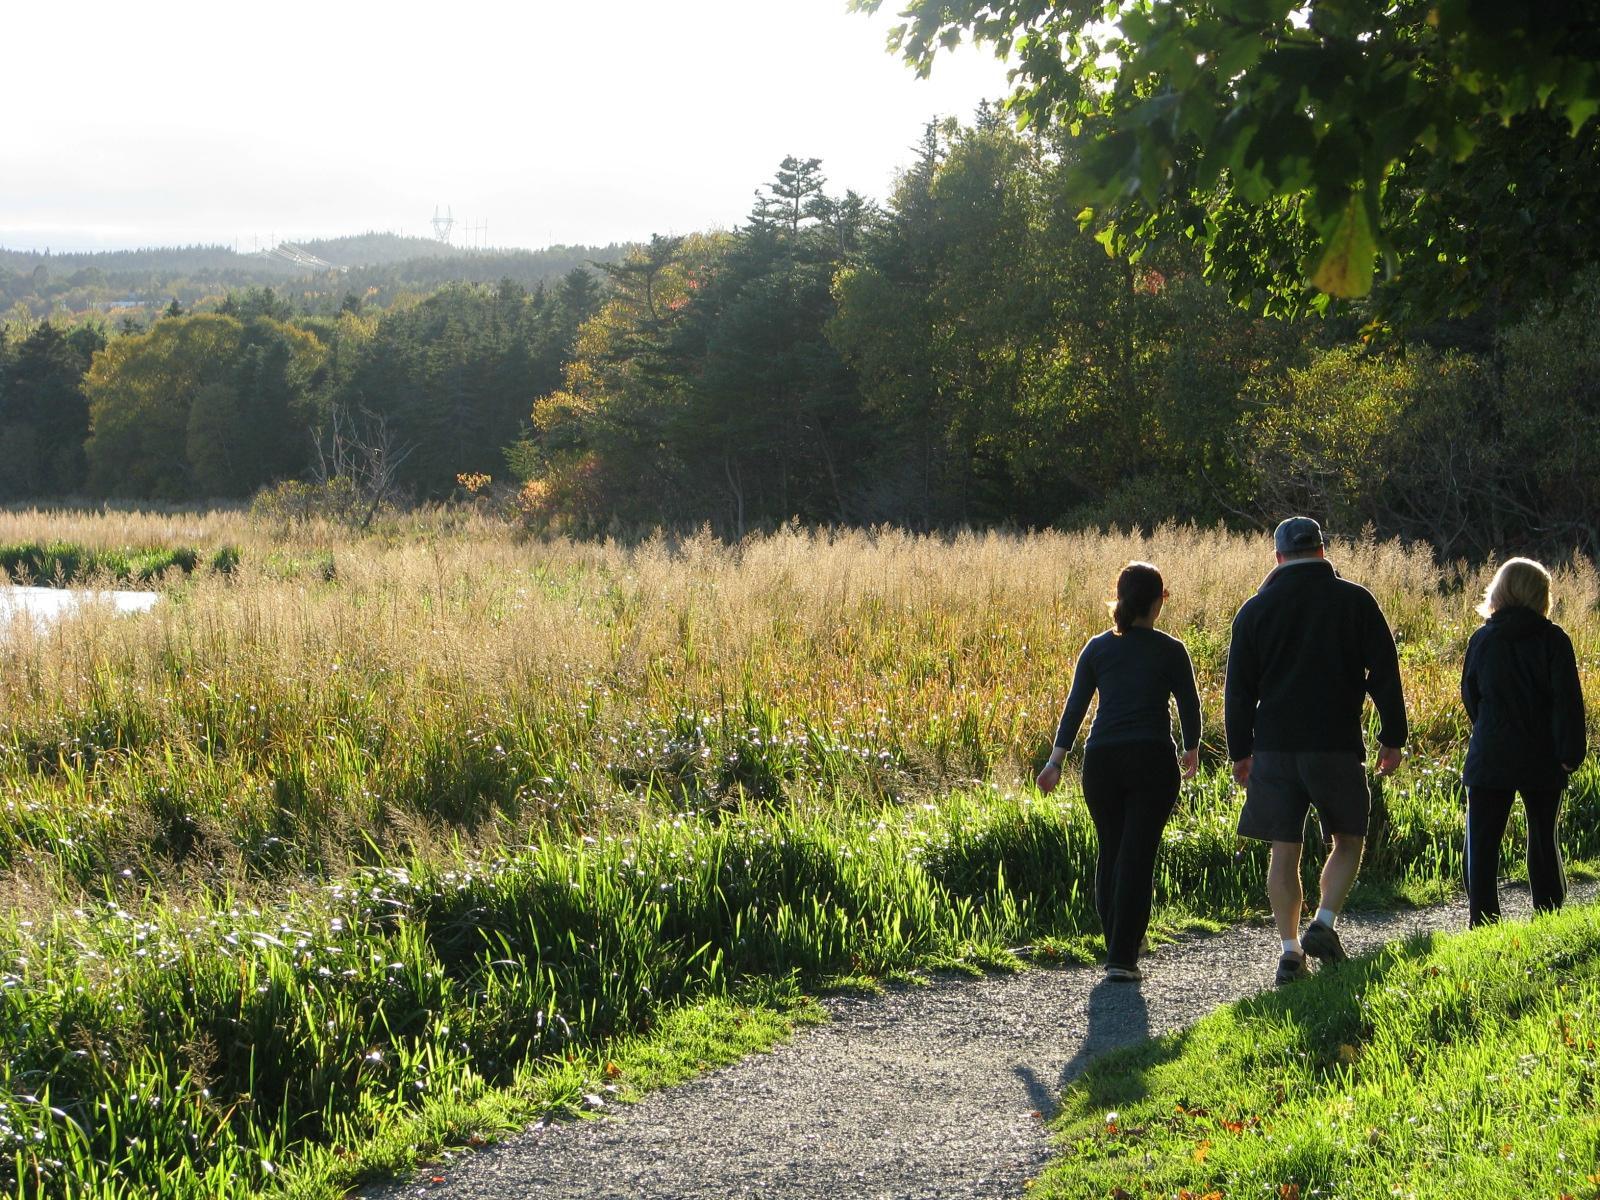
1339, 872
1284, 890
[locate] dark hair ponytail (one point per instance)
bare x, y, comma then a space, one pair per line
1138, 588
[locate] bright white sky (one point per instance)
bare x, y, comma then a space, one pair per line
580, 122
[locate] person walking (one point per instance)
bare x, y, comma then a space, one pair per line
1519, 683
1131, 767
1307, 649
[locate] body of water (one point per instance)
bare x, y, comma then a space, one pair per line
49, 604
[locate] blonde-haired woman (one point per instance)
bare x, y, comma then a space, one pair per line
1520, 686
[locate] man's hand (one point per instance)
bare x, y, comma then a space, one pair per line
1388, 761
1241, 770
1049, 777
1189, 762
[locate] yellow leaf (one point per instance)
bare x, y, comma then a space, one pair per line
1346, 266
1203, 1149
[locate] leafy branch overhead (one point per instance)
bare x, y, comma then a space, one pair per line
1331, 116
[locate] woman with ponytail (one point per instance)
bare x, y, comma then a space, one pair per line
1131, 767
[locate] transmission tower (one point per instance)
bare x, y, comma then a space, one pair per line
442, 225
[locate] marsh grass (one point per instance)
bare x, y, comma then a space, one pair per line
64, 564
358, 830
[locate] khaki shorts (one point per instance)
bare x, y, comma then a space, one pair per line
1285, 784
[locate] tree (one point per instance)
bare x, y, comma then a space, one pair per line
252, 426
44, 417
773, 396
454, 376
606, 442
200, 406
1019, 373
1292, 140
140, 390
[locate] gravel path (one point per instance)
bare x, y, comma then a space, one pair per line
931, 1092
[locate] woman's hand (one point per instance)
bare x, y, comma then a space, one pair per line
1049, 777
1189, 762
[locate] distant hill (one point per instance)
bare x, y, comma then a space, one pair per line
375, 249
374, 266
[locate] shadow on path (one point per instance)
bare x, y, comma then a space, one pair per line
1117, 1014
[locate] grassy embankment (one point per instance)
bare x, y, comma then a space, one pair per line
435, 823
1440, 1068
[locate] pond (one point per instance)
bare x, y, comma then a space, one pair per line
48, 604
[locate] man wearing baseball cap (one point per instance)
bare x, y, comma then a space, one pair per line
1307, 650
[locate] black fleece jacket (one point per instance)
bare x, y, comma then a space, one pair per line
1520, 685
1307, 649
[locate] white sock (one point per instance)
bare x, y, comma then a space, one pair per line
1326, 916
1292, 946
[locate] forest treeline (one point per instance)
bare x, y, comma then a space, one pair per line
220, 404
965, 353
380, 268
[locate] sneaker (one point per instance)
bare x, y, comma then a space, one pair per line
1291, 967
1323, 942
1123, 974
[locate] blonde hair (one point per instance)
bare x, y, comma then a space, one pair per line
1519, 583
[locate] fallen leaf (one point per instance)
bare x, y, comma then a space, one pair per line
1203, 1149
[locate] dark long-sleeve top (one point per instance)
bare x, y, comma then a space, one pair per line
1307, 650
1520, 685
1137, 674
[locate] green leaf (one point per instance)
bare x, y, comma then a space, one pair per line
1579, 112
1346, 266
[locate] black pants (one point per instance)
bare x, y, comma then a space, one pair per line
1488, 810
1130, 791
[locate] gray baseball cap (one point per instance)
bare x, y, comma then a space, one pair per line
1297, 535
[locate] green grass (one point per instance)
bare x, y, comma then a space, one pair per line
1446, 1066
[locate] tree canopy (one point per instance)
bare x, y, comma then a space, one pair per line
1300, 141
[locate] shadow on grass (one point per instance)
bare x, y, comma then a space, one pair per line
1326, 1009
